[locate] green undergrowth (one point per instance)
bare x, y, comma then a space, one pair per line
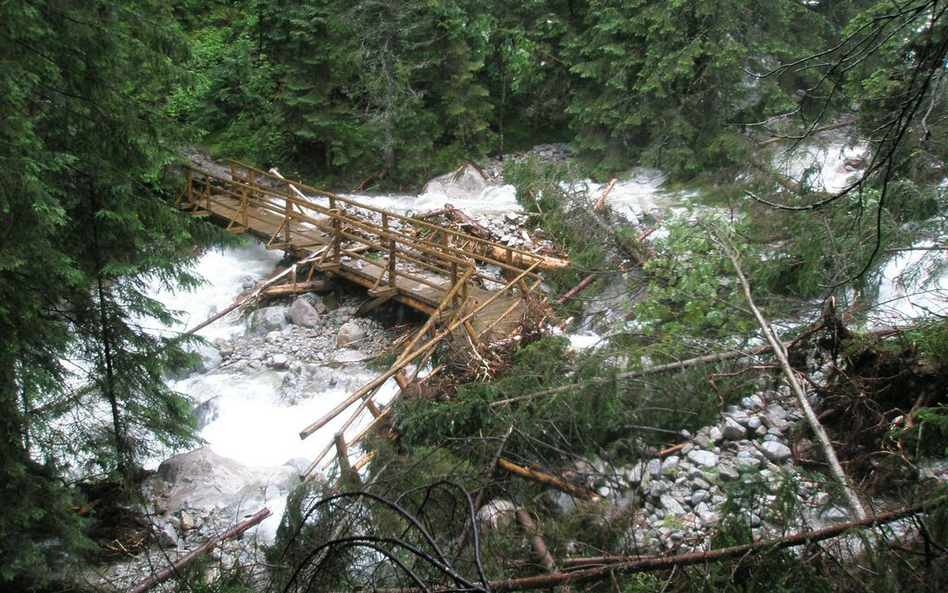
566, 404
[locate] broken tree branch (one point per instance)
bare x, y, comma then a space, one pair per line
545, 479
576, 289
602, 198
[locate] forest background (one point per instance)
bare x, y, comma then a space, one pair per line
97, 99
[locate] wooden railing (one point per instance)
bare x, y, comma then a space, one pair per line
439, 270
263, 200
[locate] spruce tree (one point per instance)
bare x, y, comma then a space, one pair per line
85, 224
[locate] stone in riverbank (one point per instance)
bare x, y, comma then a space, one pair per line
303, 313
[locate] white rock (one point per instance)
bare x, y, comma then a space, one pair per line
670, 464
703, 458
671, 505
349, 333
497, 513
732, 430
775, 451
654, 467
279, 361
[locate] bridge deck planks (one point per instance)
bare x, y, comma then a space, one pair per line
306, 239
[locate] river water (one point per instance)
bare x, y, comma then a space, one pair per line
257, 428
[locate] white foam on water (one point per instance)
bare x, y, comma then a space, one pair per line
227, 273
257, 429
906, 291
823, 167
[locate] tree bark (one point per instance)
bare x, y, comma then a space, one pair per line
545, 479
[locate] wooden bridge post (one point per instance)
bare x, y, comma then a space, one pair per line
336, 229
287, 211
391, 250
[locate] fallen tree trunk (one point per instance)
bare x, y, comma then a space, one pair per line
576, 289
780, 352
545, 479
296, 288
610, 567
602, 198
166, 573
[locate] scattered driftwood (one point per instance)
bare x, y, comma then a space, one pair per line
780, 352
291, 271
545, 479
457, 216
166, 573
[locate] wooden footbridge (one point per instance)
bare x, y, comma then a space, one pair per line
475, 291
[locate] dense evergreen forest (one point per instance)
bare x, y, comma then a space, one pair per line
99, 100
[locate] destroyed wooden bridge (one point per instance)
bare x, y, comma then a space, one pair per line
470, 287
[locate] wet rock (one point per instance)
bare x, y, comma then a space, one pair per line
278, 361
205, 482
267, 319
497, 513
465, 183
349, 333
775, 451
732, 430
303, 313
703, 458
207, 411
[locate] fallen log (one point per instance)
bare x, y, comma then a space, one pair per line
602, 198
780, 352
576, 289
545, 479
609, 567
545, 262
296, 288
166, 573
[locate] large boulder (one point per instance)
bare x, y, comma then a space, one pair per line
465, 183
205, 482
303, 313
267, 319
